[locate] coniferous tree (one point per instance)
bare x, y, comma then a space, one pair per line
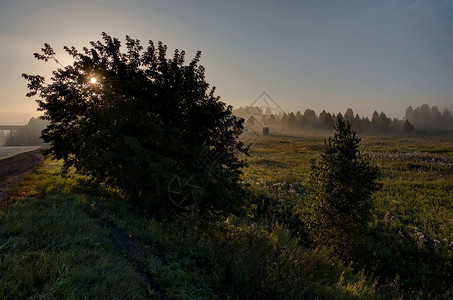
384, 122
409, 112
340, 186
349, 115
408, 127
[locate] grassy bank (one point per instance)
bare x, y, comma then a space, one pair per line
60, 237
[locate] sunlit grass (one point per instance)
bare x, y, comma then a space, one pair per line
51, 249
54, 241
417, 192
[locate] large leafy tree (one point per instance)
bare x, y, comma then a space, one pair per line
340, 187
135, 119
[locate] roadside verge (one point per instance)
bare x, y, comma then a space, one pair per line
13, 169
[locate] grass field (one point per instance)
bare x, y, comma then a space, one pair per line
417, 175
413, 211
60, 237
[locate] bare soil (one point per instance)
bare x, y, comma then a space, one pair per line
13, 169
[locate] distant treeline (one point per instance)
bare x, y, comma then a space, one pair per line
419, 121
29, 135
430, 119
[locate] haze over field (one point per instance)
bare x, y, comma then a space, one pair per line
331, 55
332, 165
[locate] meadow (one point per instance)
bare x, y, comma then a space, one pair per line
61, 237
413, 216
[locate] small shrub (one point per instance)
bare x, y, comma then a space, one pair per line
340, 187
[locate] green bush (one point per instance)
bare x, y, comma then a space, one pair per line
249, 261
135, 120
340, 187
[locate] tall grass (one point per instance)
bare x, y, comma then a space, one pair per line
54, 244
410, 252
51, 249
56, 235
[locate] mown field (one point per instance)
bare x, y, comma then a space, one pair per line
62, 238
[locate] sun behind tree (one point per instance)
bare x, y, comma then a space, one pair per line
152, 118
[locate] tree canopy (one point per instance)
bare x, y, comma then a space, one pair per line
136, 119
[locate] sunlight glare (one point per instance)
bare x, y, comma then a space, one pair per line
93, 80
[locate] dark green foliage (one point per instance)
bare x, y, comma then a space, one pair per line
146, 119
186, 258
340, 187
410, 258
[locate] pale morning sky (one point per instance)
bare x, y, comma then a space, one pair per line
367, 55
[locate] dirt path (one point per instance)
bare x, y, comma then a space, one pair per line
130, 247
13, 169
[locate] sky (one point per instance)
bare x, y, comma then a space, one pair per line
366, 55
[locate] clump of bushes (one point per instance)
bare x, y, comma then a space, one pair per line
250, 261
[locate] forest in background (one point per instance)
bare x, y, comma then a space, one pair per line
423, 120
419, 121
